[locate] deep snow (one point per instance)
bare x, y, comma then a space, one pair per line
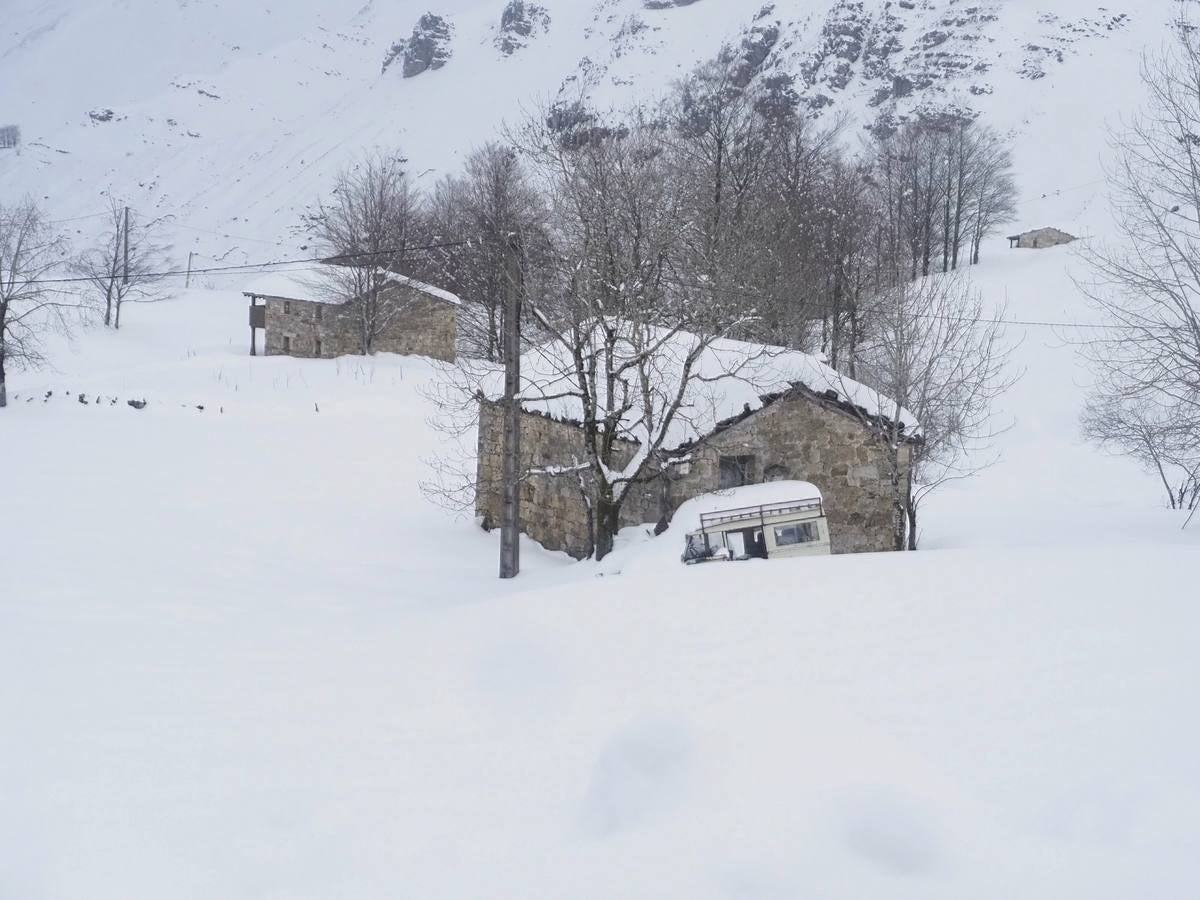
242, 656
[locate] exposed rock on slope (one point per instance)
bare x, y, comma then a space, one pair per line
428, 48
519, 22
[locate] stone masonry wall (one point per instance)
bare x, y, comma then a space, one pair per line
1041, 238
553, 512
796, 437
425, 326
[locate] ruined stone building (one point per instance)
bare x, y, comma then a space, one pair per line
299, 317
1039, 239
800, 432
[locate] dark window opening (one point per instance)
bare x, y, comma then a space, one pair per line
318, 346
735, 471
320, 312
748, 543
287, 306
287, 344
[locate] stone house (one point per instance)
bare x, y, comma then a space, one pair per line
797, 433
297, 320
1039, 239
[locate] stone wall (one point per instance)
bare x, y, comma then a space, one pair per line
553, 511
1041, 238
799, 436
423, 326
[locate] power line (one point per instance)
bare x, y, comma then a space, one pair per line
304, 265
77, 218
251, 268
746, 295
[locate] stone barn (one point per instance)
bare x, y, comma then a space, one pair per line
1039, 239
299, 317
799, 432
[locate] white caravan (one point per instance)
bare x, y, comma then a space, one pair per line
754, 523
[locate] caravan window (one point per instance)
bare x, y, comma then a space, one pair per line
797, 533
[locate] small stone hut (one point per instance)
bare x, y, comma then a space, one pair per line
1039, 239
417, 319
797, 433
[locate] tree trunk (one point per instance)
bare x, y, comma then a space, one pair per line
510, 524
911, 509
607, 521
3, 377
899, 502
112, 280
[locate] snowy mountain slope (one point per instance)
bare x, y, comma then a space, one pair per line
232, 117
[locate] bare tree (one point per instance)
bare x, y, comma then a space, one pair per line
1161, 439
30, 252
938, 358
488, 203
124, 267
366, 228
621, 329
1147, 285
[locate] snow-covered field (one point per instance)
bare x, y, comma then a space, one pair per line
242, 656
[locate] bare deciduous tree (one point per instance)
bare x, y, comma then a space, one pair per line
1161, 439
366, 229
123, 267
936, 355
488, 203
30, 251
1147, 284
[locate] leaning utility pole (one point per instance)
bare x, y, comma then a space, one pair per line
510, 514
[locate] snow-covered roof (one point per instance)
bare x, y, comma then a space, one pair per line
424, 288
296, 285
311, 285
687, 517
730, 378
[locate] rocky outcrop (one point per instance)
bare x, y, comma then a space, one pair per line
519, 23
753, 52
666, 4
428, 48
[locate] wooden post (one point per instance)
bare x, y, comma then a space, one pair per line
187, 282
126, 266
510, 515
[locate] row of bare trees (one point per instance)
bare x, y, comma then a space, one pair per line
44, 287
648, 238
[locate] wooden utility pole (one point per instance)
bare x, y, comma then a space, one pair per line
126, 266
510, 514
187, 282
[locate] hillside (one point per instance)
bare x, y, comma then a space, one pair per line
231, 118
